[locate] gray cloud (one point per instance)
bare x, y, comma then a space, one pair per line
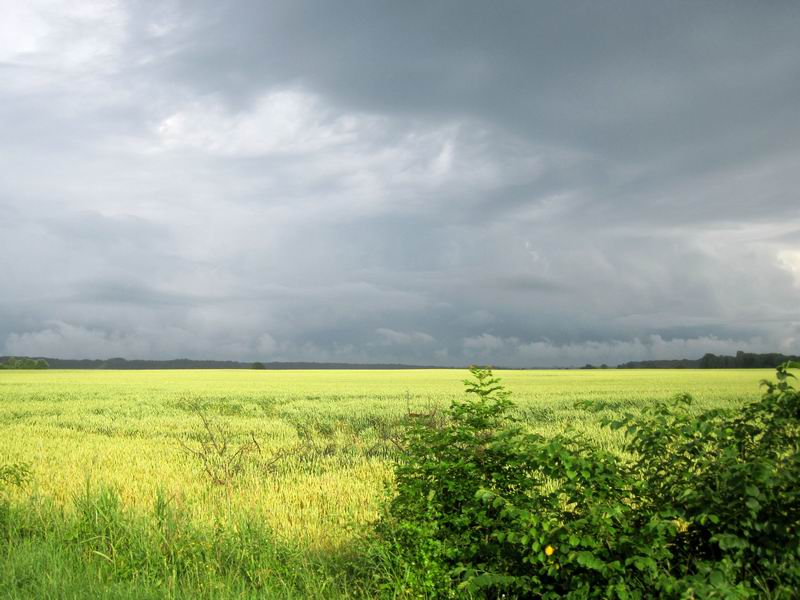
525, 184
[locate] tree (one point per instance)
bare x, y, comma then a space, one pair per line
12, 362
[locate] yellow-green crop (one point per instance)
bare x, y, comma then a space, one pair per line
125, 429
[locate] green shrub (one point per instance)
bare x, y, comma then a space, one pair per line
731, 482
707, 507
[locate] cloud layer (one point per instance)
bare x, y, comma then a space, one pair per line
533, 185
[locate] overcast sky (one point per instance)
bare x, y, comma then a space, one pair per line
516, 183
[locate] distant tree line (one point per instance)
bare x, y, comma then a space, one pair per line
12, 362
681, 363
745, 360
184, 363
742, 360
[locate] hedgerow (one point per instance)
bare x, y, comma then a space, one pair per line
701, 506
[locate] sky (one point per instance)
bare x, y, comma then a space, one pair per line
523, 184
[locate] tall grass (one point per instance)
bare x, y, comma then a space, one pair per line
100, 548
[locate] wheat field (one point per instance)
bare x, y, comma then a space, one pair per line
316, 446
129, 429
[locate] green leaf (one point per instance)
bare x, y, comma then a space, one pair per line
717, 578
590, 561
728, 541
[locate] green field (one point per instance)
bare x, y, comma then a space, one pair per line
328, 435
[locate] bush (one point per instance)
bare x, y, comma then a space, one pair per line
730, 481
707, 507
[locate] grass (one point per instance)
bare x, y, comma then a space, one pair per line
113, 440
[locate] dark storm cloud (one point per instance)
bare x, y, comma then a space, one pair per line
630, 79
448, 182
